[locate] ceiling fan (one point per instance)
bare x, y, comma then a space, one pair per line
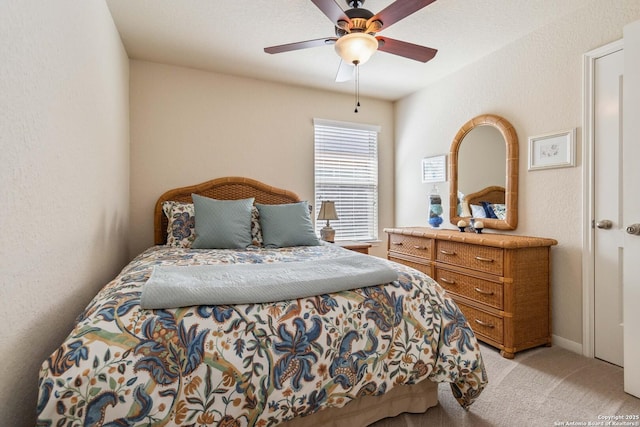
356, 30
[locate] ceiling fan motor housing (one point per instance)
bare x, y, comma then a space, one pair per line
359, 22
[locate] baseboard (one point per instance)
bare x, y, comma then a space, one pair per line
573, 346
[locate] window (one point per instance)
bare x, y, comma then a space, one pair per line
346, 171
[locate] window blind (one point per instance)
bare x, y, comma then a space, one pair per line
346, 171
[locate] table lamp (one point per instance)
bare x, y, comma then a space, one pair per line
327, 212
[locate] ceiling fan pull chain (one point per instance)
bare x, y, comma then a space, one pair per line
356, 63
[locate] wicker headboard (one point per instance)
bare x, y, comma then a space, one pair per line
228, 188
493, 194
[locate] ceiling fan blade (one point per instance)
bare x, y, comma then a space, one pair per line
345, 72
300, 45
408, 50
332, 10
398, 10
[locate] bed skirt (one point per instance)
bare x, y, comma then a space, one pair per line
416, 398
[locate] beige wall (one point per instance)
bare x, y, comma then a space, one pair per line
64, 178
536, 84
189, 126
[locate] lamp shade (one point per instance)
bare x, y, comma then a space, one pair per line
356, 48
328, 211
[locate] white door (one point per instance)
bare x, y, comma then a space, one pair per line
608, 231
631, 210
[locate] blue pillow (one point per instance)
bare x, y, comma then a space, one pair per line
222, 224
287, 225
488, 209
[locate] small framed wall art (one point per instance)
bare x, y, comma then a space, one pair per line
434, 169
552, 150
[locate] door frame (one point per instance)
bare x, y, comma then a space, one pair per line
588, 178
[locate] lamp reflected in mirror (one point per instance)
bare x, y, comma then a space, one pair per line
327, 213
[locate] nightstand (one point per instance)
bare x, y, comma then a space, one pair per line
361, 247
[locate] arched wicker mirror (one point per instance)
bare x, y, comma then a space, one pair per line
492, 194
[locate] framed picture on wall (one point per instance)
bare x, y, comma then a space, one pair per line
434, 169
552, 150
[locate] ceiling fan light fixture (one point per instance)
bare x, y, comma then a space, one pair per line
356, 48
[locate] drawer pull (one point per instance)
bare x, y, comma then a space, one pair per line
479, 258
397, 243
442, 251
483, 292
449, 281
422, 248
481, 323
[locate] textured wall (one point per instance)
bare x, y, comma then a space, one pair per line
189, 126
64, 178
536, 84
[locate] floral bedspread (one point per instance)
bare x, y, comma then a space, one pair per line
252, 364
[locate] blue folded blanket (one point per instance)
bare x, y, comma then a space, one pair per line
180, 286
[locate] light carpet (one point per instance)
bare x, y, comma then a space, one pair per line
546, 386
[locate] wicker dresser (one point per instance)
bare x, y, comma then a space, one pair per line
499, 281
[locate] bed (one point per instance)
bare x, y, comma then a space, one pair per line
486, 203
346, 358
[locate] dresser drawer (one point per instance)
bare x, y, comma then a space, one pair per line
483, 291
411, 245
475, 257
483, 323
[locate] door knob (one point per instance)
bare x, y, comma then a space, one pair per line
634, 229
604, 224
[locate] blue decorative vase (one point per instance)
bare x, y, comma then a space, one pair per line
435, 208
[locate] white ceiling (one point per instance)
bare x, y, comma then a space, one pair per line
228, 36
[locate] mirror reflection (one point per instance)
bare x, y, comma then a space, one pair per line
481, 165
